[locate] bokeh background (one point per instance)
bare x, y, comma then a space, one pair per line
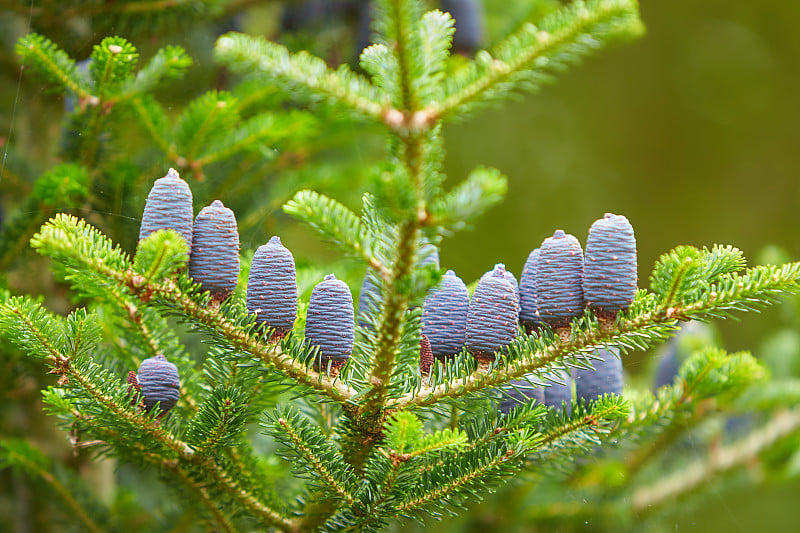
690, 131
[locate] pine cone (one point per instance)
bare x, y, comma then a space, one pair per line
272, 287
558, 279
134, 390
492, 322
508, 276
518, 392
609, 274
528, 305
468, 15
369, 296
214, 262
168, 206
606, 378
330, 323
425, 355
444, 316
558, 392
159, 382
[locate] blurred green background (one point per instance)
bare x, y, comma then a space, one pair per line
691, 132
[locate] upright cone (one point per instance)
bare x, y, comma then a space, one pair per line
444, 315
168, 206
558, 279
609, 275
214, 262
330, 322
493, 317
528, 306
272, 287
159, 383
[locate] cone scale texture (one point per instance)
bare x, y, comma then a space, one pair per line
272, 287
444, 316
558, 279
609, 276
214, 262
425, 355
492, 322
606, 378
330, 323
168, 206
528, 306
508, 276
159, 383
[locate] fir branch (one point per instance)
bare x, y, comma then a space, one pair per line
54, 64
527, 57
643, 326
301, 72
336, 224
201, 492
22, 454
718, 461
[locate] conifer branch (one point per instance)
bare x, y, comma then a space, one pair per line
201, 493
718, 461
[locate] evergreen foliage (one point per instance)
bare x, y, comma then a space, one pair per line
365, 439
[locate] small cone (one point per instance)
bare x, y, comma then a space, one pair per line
134, 390
610, 277
425, 355
558, 280
214, 262
444, 316
528, 305
272, 287
606, 378
492, 322
330, 323
168, 206
159, 382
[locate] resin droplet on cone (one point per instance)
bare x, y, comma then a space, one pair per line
444, 315
272, 287
493, 315
330, 321
214, 262
528, 305
609, 274
168, 206
559, 279
159, 383
606, 378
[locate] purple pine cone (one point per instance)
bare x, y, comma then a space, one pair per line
558, 279
528, 306
508, 276
492, 322
330, 323
168, 206
159, 383
272, 287
606, 378
214, 262
468, 15
520, 391
558, 392
444, 315
425, 355
369, 296
609, 273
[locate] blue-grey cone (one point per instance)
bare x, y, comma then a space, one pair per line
558, 390
272, 287
492, 322
444, 315
159, 383
369, 296
468, 15
168, 206
214, 262
508, 276
606, 378
330, 323
518, 392
668, 367
528, 306
558, 280
609, 272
